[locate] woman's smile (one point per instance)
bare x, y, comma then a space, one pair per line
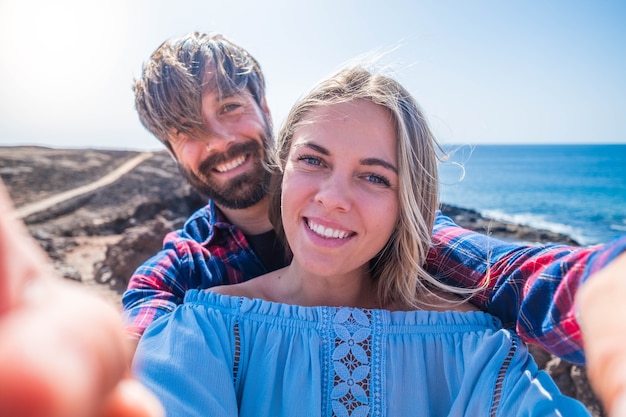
327, 232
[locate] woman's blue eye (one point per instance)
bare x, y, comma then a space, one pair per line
311, 160
377, 179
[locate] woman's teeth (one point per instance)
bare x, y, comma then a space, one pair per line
327, 232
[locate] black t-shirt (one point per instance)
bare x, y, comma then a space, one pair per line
269, 249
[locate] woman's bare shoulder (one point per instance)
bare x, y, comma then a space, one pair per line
253, 288
244, 289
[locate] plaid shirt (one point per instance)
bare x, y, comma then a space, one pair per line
530, 288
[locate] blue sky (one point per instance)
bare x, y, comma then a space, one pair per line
484, 71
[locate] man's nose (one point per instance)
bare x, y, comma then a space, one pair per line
217, 137
217, 142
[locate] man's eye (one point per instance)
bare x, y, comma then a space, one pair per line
230, 107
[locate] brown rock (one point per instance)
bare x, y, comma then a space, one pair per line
137, 245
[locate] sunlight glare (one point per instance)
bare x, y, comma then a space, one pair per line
58, 55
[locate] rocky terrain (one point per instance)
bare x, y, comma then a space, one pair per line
125, 202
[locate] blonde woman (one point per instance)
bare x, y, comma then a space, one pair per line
353, 326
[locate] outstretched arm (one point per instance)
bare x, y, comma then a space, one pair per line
62, 349
530, 288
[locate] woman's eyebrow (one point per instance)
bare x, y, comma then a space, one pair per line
364, 161
314, 146
379, 162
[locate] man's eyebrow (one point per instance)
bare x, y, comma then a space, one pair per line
230, 95
379, 162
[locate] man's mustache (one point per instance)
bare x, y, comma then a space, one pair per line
250, 147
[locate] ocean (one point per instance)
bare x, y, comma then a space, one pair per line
579, 190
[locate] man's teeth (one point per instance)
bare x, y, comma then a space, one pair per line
231, 165
327, 232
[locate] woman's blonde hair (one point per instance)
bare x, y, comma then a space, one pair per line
399, 266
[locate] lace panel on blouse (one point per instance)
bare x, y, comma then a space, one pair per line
352, 351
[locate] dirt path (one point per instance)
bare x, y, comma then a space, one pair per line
90, 249
110, 178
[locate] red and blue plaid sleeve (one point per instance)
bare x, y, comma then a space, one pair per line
530, 288
207, 252
156, 288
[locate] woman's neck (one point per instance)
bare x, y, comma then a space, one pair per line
293, 285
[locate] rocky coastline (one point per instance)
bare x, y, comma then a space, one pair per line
98, 237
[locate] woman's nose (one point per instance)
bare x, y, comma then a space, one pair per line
334, 193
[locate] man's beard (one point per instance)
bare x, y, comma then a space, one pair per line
241, 192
